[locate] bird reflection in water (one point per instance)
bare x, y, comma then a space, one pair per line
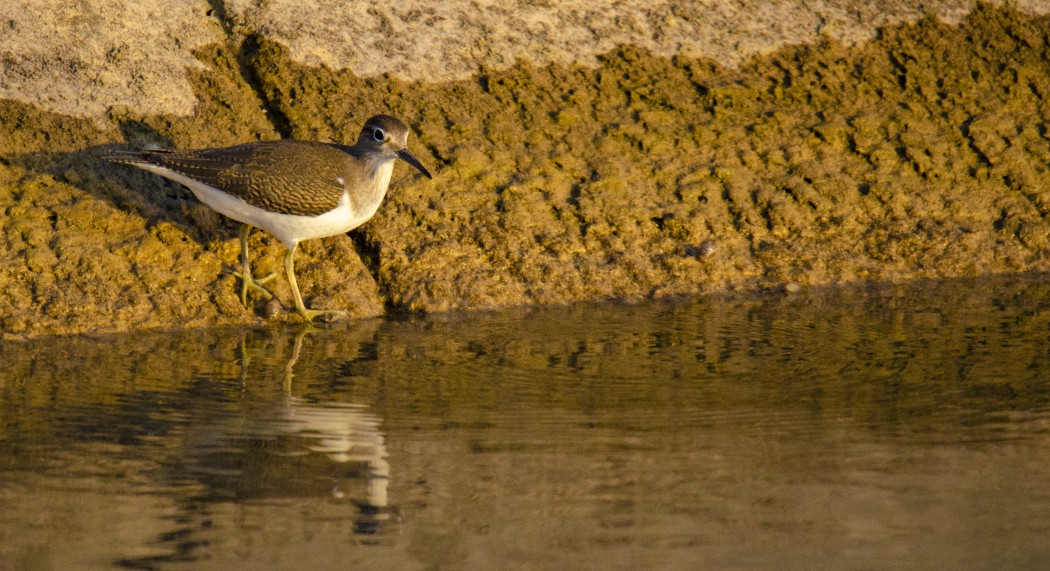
281, 446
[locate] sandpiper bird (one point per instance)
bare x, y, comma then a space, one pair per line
295, 190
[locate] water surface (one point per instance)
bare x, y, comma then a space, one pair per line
868, 428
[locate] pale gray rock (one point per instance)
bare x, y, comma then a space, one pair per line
85, 58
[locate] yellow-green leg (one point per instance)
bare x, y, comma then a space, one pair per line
247, 282
308, 314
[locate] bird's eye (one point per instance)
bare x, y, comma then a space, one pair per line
379, 134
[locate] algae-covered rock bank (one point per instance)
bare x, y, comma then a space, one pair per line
632, 171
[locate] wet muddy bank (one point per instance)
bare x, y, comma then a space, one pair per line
924, 153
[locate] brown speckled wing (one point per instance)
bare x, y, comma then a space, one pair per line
289, 177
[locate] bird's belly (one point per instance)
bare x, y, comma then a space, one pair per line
290, 229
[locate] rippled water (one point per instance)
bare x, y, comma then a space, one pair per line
894, 427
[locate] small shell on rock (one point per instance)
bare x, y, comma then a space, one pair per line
701, 252
706, 250
272, 308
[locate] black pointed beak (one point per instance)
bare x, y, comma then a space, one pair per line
406, 156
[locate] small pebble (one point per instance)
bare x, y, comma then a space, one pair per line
272, 308
792, 287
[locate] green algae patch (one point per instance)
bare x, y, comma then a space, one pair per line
924, 153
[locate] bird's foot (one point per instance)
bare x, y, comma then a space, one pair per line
328, 314
247, 282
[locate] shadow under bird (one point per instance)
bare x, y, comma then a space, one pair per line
295, 190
